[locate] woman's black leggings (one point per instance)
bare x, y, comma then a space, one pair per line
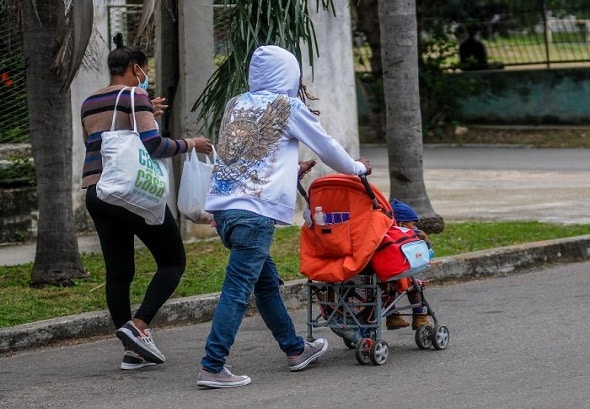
117, 228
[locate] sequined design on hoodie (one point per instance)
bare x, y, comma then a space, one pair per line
247, 142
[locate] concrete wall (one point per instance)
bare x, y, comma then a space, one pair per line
93, 75
555, 96
333, 80
195, 66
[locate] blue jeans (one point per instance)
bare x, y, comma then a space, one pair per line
250, 268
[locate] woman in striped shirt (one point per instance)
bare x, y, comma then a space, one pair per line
115, 225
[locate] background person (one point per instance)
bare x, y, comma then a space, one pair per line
473, 54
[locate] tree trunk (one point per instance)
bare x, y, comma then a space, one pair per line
57, 259
399, 53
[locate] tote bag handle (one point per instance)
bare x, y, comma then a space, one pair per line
132, 109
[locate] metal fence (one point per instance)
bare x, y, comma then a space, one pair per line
538, 34
14, 127
125, 19
14, 123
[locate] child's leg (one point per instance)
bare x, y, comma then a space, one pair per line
420, 315
395, 320
415, 298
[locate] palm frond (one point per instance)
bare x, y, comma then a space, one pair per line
250, 24
82, 18
147, 11
76, 36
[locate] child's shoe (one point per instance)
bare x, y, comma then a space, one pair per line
419, 319
395, 321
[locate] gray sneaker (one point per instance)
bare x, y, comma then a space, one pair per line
223, 379
311, 352
141, 342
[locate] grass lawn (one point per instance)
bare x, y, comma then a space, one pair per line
19, 303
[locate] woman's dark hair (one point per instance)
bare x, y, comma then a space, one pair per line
121, 57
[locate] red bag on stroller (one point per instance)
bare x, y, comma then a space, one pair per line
338, 251
395, 255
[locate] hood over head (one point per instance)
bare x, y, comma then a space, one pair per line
274, 69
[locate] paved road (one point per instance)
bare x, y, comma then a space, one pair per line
499, 183
517, 342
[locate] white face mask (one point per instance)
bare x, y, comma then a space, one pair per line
143, 85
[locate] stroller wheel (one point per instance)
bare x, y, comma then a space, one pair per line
349, 344
440, 337
423, 337
379, 352
363, 351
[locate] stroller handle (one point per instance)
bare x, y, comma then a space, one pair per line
302, 192
365, 183
369, 191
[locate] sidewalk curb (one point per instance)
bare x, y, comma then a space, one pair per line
191, 310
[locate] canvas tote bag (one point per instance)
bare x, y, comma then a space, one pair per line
130, 177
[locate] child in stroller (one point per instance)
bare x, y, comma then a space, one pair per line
406, 216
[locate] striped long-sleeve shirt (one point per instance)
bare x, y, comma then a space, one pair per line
97, 114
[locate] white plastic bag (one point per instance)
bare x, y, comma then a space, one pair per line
130, 177
194, 184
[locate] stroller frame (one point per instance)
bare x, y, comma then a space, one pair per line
356, 309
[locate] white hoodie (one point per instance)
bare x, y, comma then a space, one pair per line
258, 153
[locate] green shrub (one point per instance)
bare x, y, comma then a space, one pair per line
19, 169
439, 97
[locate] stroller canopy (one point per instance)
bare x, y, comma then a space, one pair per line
335, 252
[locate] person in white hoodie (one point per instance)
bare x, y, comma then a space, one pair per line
252, 188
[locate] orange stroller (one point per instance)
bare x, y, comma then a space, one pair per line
344, 293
